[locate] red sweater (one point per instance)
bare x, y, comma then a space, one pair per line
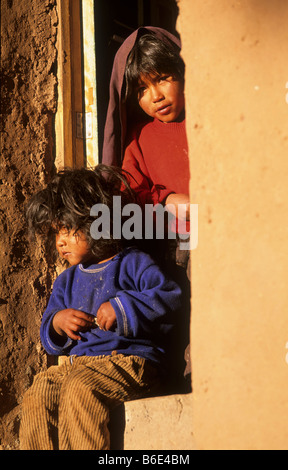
157, 159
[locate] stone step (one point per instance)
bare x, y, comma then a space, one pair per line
157, 423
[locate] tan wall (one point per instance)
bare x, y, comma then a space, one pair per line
237, 71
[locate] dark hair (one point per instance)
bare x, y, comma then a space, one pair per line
152, 56
67, 201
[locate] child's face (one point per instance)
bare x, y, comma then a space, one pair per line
161, 97
72, 246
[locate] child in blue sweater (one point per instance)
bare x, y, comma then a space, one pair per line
110, 313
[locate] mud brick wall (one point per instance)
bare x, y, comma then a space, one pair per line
28, 106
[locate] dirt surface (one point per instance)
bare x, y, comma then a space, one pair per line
28, 106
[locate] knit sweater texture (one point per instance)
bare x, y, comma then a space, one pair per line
157, 159
144, 300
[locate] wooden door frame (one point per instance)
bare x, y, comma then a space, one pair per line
76, 123
76, 119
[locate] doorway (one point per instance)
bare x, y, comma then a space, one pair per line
90, 33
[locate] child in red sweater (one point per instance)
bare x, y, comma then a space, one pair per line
148, 78
157, 157
148, 71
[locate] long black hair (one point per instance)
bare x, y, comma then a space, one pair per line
67, 200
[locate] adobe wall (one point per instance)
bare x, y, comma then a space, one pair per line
237, 114
28, 105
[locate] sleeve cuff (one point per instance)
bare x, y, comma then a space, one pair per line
53, 346
122, 323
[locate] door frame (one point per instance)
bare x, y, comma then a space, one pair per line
76, 118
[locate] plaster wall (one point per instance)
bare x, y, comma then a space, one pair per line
237, 115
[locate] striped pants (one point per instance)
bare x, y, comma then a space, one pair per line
67, 407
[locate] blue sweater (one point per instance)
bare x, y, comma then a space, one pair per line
144, 300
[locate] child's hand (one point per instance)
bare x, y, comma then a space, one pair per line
179, 205
106, 316
70, 321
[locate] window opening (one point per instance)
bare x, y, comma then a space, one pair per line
90, 33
